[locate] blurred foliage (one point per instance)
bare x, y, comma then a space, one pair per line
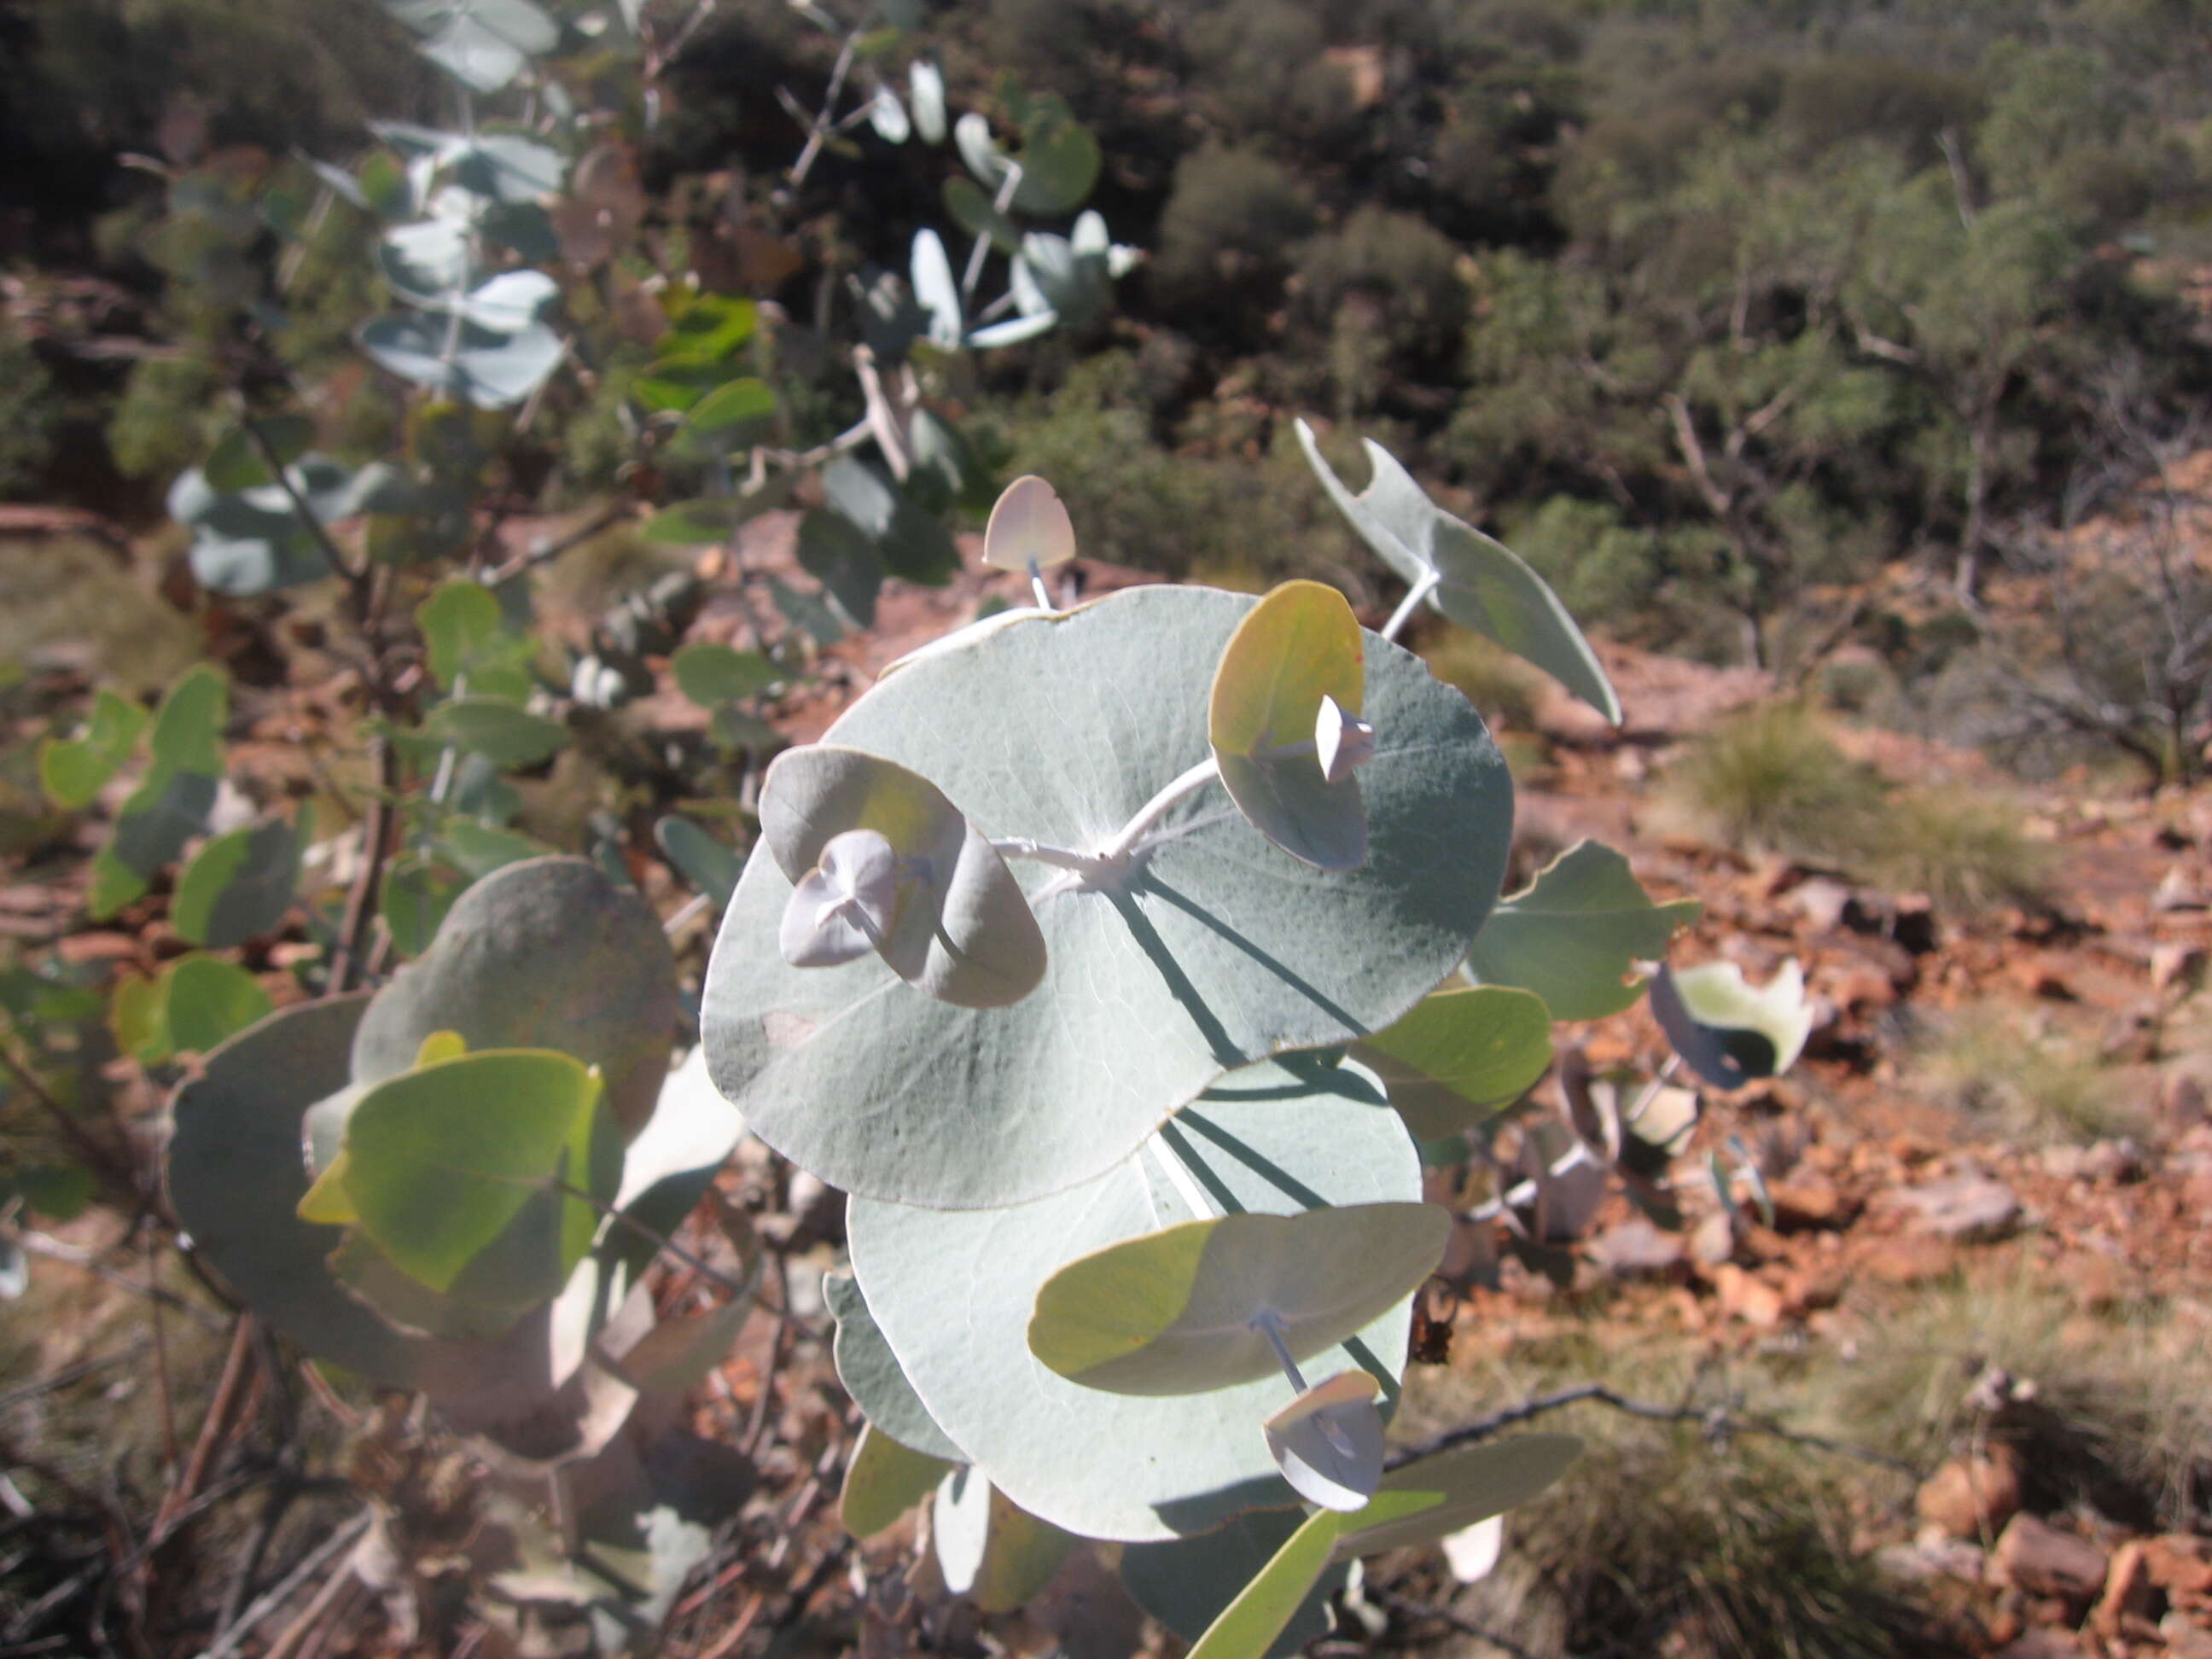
1714, 304
28, 417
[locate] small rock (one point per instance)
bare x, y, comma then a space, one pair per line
2178, 892
1909, 1261
2182, 1098
1821, 901
77, 949
1966, 1207
2131, 1593
1715, 1240
2042, 980
2175, 963
1634, 1248
1810, 1201
1932, 1558
2180, 1564
2116, 1160
2065, 1162
2037, 1558
1859, 987
2183, 1639
2098, 1282
1745, 1296
1973, 1496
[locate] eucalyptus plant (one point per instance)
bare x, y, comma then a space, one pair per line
1124, 964
1118, 961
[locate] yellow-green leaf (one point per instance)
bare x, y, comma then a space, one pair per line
1297, 647
438, 1163
1460, 1056
1187, 1310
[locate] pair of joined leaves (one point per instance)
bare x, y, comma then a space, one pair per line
541, 955
881, 861
1728, 1032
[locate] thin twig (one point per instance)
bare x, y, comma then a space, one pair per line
78, 1256
215, 1427
40, 1387
169, 1451
1715, 1419
361, 903
103, 1160
783, 1316
228, 1641
798, 461
333, 555
281, 1496
804, 164
294, 1641
777, 1343
545, 549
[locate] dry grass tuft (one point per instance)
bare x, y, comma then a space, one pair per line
1662, 1540
2111, 1413
1774, 782
2014, 1082
70, 598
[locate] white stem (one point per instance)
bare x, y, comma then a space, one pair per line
850, 908
973, 273
1272, 1328
696, 905
1189, 783
1419, 591
447, 756
1651, 1090
1022, 847
1037, 587
1180, 1177
1576, 1155
1090, 870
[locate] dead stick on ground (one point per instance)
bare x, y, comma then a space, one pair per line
76, 1255
54, 1382
312, 1563
305, 1632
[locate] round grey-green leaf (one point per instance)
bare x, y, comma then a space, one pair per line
1216, 950
988, 1548
546, 953
1573, 934
1127, 1466
870, 1374
499, 730
236, 1178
